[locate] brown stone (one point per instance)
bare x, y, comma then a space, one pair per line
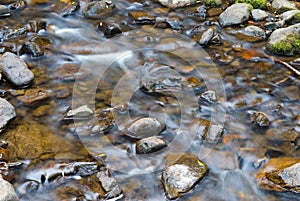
32, 96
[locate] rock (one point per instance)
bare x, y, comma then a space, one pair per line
31, 49
12, 33
210, 96
15, 69
258, 14
65, 8
7, 112
255, 31
291, 17
98, 9
181, 173
145, 127
224, 160
4, 11
7, 191
109, 29
109, 184
150, 145
33, 96
274, 25
213, 3
214, 12
235, 14
260, 119
283, 5
280, 174
141, 17
82, 112
206, 37
36, 26
17, 5
201, 12
177, 3
285, 41
71, 71
215, 133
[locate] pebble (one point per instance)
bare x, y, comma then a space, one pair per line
206, 37
7, 191
7, 112
145, 127
33, 96
150, 145
181, 173
15, 69
260, 119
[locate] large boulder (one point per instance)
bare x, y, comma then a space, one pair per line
7, 112
285, 41
235, 14
15, 69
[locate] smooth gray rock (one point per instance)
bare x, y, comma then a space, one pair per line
281, 34
235, 14
150, 144
255, 31
145, 127
206, 37
4, 11
177, 3
7, 112
283, 5
7, 191
258, 14
83, 111
288, 14
181, 173
15, 69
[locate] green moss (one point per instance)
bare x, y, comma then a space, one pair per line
261, 4
294, 20
289, 46
213, 3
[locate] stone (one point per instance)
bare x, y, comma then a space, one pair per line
258, 14
285, 41
283, 5
36, 26
260, 119
255, 31
206, 37
210, 96
8, 192
235, 14
71, 71
15, 69
98, 9
32, 49
141, 17
150, 145
288, 14
17, 5
181, 173
109, 29
13, 32
177, 3
34, 96
80, 112
109, 184
7, 112
280, 174
145, 127
4, 11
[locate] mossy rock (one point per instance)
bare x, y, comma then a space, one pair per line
294, 20
261, 4
213, 3
288, 46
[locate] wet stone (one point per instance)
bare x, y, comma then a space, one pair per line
36, 26
255, 31
150, 145
65, 8
18, 5
98, 9
235, 14
201, 12
33, 97
280, 174
12, 33
141, 17
210, 96
259, 15
4, 11
206, 37
7, 191
177, 3
145, 127
71, 72
15, 69
32, 49
80, 113
181, 173
260, 119
214, 12
110, 185
7, 112
109, 29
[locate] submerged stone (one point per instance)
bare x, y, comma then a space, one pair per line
206, 37
7, 112
182, 173
34, 96
98, 9
7, 191
260, 119
280, 174
150, 145
177, 3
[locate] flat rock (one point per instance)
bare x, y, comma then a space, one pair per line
235, 14
145, 127
7, 191
33, 96
150, 144
177, 3
255, 31
280, 174
15, 69
181, 173
98, 9
288, 14
283, 5
7, 112
258, 14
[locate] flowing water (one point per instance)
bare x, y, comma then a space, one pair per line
146, 72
